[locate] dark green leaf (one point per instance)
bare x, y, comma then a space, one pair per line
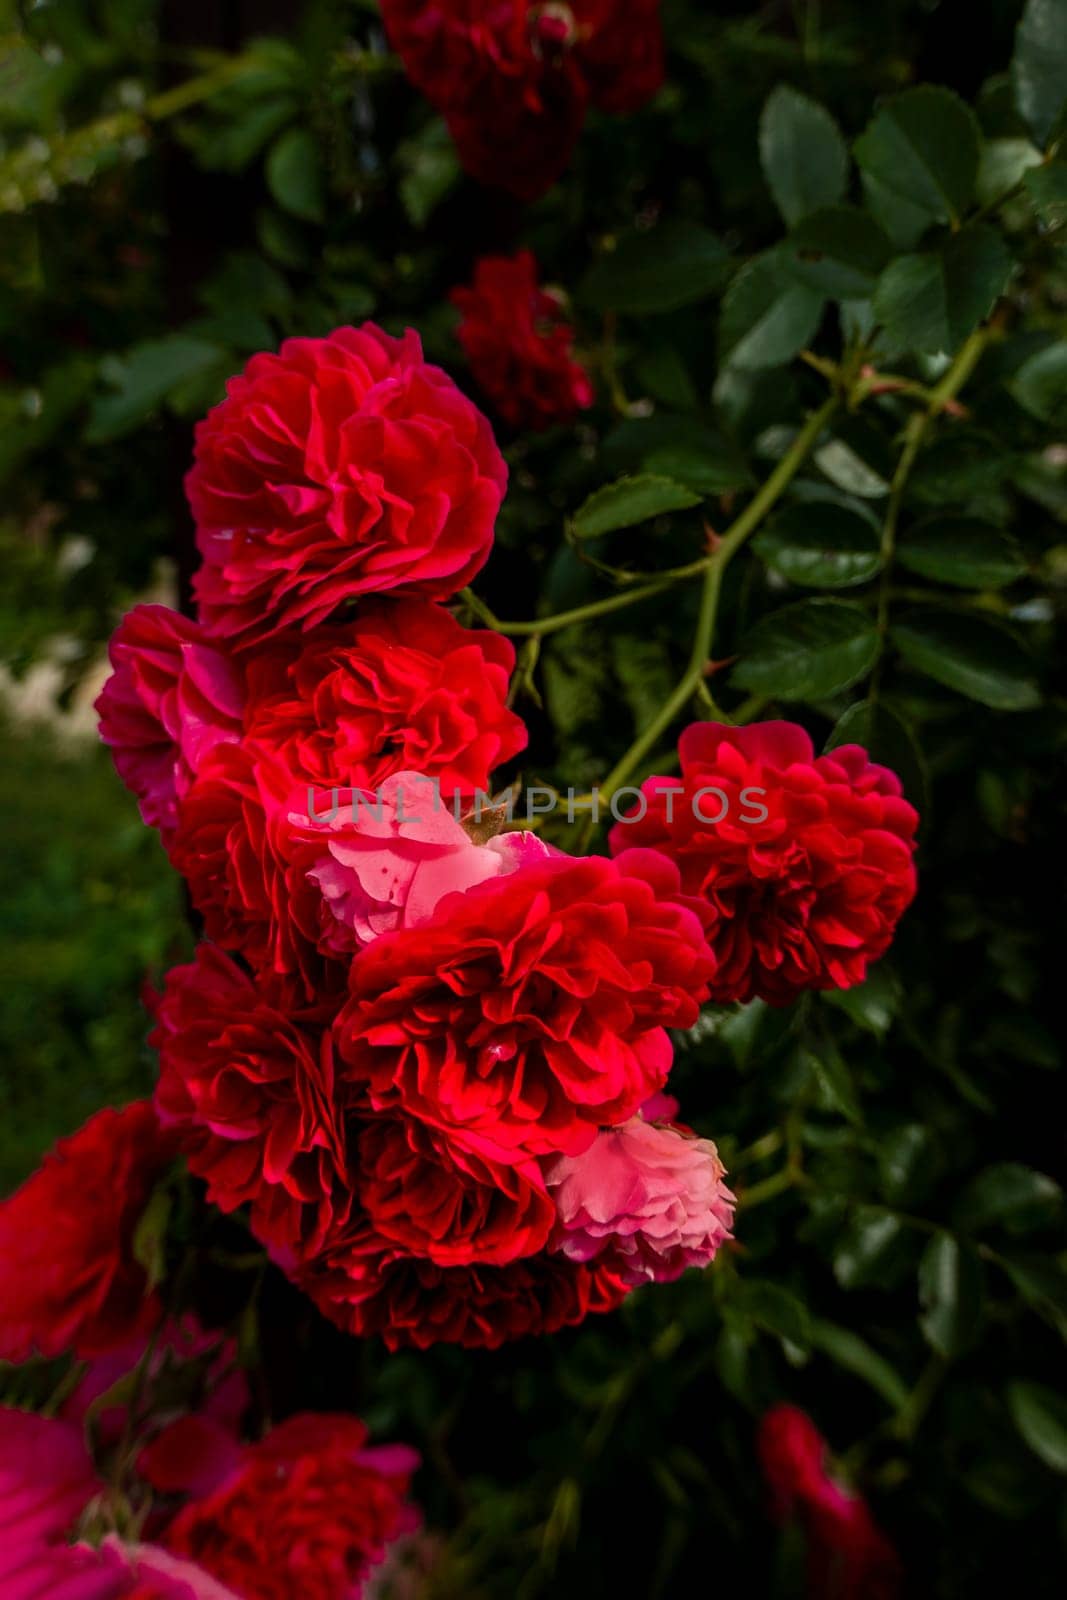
661, 269
872, 1004
1042, 1284
1041, 384
431, 169
976, 657
295, 175
821, 546
931, 302
629, 501
807, 651
923, 147
830, 1071
1047, 188
144, 377
774, 1309
1040, 1414
804, 157
952, 1292
961, 551
1010, 1196
767, 317
852, 1354
889, 741
870, 1242
838, 251
1039, 66
1003, 165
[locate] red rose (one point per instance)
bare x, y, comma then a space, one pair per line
518, 341
171, 698
247, 1084
514, 78
403, 688
337, 468
441, 1197
68, 1276
228, 847
849, 1558
802, 896
367, 1286
307, 1515
534, 1009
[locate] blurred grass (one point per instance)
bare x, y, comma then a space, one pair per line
89, 908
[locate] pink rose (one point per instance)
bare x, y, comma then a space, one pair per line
170, 700
376, 861
644, 1201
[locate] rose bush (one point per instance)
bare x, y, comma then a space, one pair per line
716, 1092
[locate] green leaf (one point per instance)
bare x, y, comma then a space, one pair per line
295, 176
805, 159
708, 470
929, 303
660, 269
831, 1073
961, 551
821, 546
1008, 1195
1040, 1414
852, 1354
144, 377
923, 147
1039, 65
977, 658
838, 251
1003, 165
889, 741
629, 501
871, 1005
1042, 1284
1041, 384
807, 651
150, 1235
774, 1309
767, 317
869, 1244
952, 1293
431, 169
1047, 188
903, 221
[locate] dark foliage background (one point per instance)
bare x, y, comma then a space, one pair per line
183, 184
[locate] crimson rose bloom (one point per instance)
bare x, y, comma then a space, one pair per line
171, 699
368, 1286
247, 1084
849, 1558
404, 688
307, 1514
339, 467
68, 1276
514, 78
807, 896
441, 1197
534, 1009
518, 341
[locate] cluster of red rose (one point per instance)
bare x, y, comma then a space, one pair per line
430, 1067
